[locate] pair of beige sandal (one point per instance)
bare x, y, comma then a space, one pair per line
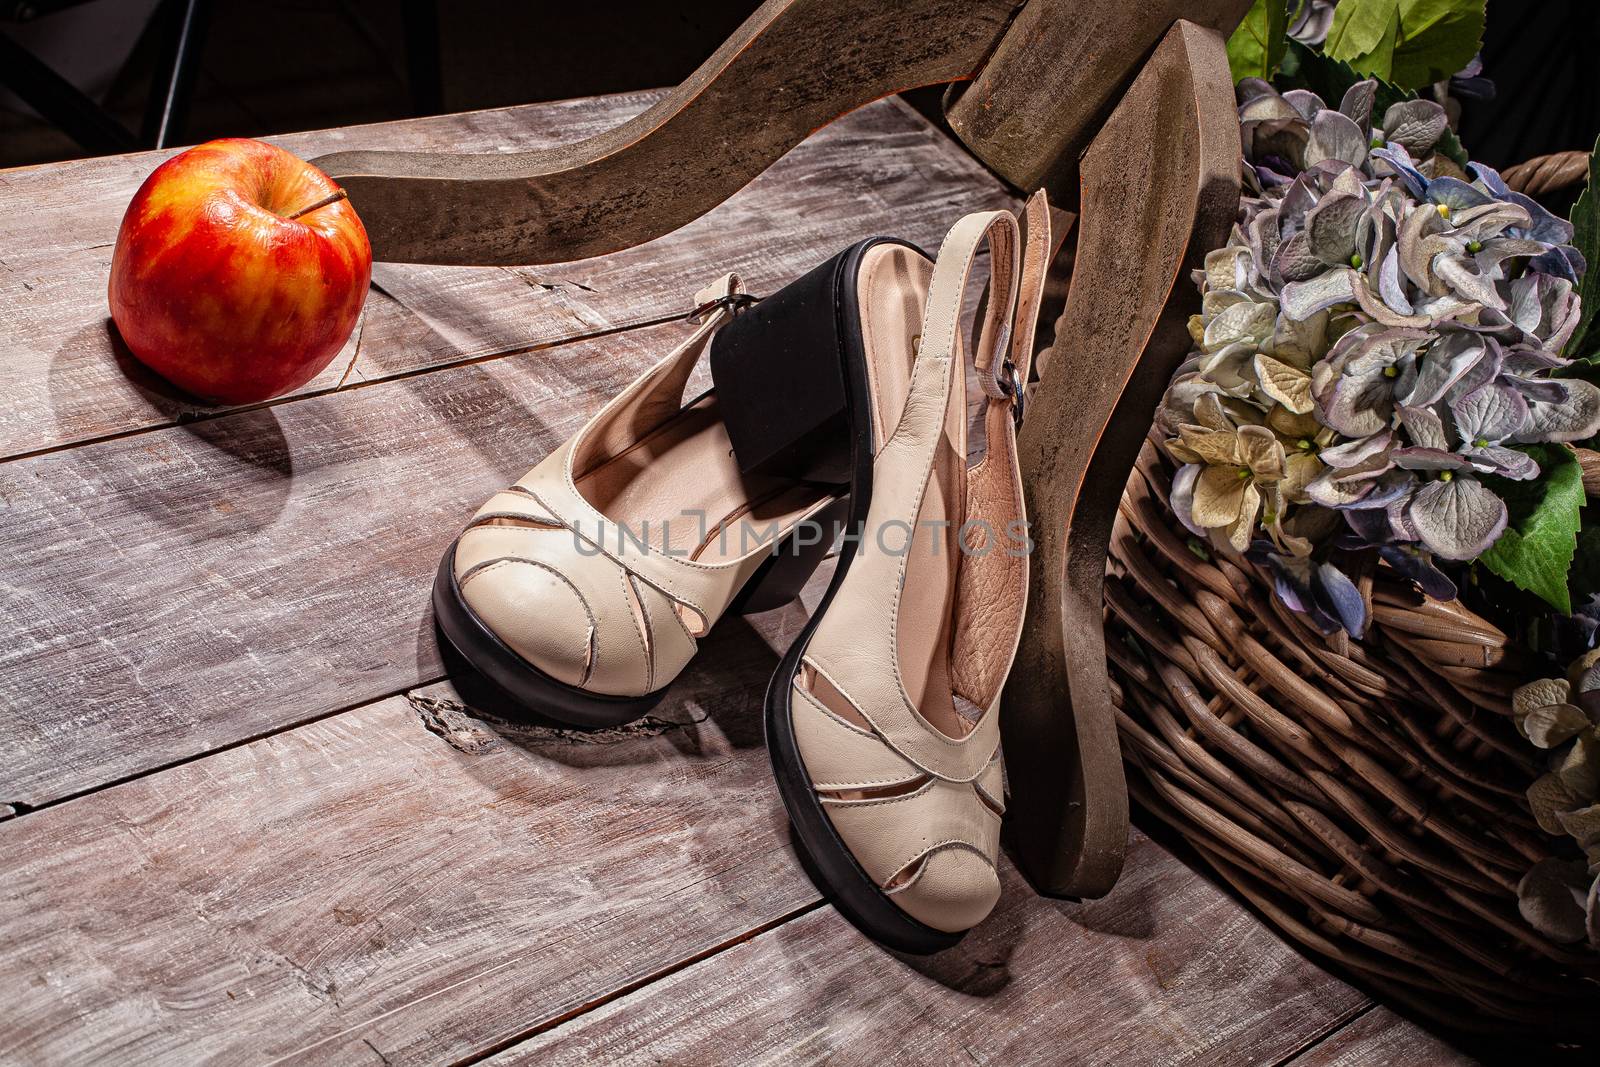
840, 416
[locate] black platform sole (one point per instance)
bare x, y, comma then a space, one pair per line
832, 866
519, 679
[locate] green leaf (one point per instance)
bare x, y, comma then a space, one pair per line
1541, 535
1412, 43
1256, 48
1586, 236
1437, 38
1364, 34
1451, 148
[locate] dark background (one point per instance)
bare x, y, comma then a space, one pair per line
275, 66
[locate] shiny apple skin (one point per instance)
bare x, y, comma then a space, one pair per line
216, 290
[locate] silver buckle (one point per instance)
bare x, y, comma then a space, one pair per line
1016, 392
733, 303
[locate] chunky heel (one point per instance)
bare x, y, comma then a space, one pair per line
779, 369
794, 561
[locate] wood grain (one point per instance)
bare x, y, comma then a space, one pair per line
1160, 188
67, 378
791, 68
1062, 65
1379, 1038
178, 591
422, 880
1165, 970
372, 889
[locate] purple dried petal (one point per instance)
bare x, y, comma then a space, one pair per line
1416, 124
1456, 519
1399, 160
1429, 459
1393, 487
1542, 225
1415, 563
1456, 194
1390, 287
1182, 497
1444, 364
1489, 414
1575, 419
1352, 453
1490, 178
1424, 427
1357, 102
1338, 595
1506, 462
1370, 525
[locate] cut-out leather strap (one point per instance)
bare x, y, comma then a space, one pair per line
857, 647
699, 587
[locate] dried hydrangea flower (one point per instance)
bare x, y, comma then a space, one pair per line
1561, 897
1311, 22
1389, 324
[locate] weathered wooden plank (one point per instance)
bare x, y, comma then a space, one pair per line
173, 592
1166, 969
363, 890
1380, 1038
880, 170
415, 882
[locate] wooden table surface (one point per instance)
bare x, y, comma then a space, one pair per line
245, 818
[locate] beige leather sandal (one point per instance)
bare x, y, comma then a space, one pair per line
882, 719
583, 590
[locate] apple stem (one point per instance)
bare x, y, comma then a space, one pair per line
332, 198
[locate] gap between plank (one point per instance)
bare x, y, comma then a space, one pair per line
341, 387
629, 988
1329, 1031
21, 809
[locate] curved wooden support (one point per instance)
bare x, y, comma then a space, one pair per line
1160, 186
1059, 69
793, 67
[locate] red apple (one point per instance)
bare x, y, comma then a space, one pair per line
239, 271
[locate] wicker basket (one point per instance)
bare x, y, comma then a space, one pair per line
1367, 797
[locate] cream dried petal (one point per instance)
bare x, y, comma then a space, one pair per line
1539, 693
1243, 528
1212, 413
1552, 897
1289, 386
1583, 825
1553, 724
1211, 446
1218, 495
1548, 796
1181, 452
1299, 469
1292, 425
1579, 769
1261, 452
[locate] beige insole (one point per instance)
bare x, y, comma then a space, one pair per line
893, 295
679, 489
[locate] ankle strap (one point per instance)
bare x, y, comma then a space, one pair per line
1003, 356
941, 323
1006, 377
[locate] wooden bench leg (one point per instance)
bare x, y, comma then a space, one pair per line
1160, 186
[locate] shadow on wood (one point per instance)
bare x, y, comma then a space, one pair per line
1160, 186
